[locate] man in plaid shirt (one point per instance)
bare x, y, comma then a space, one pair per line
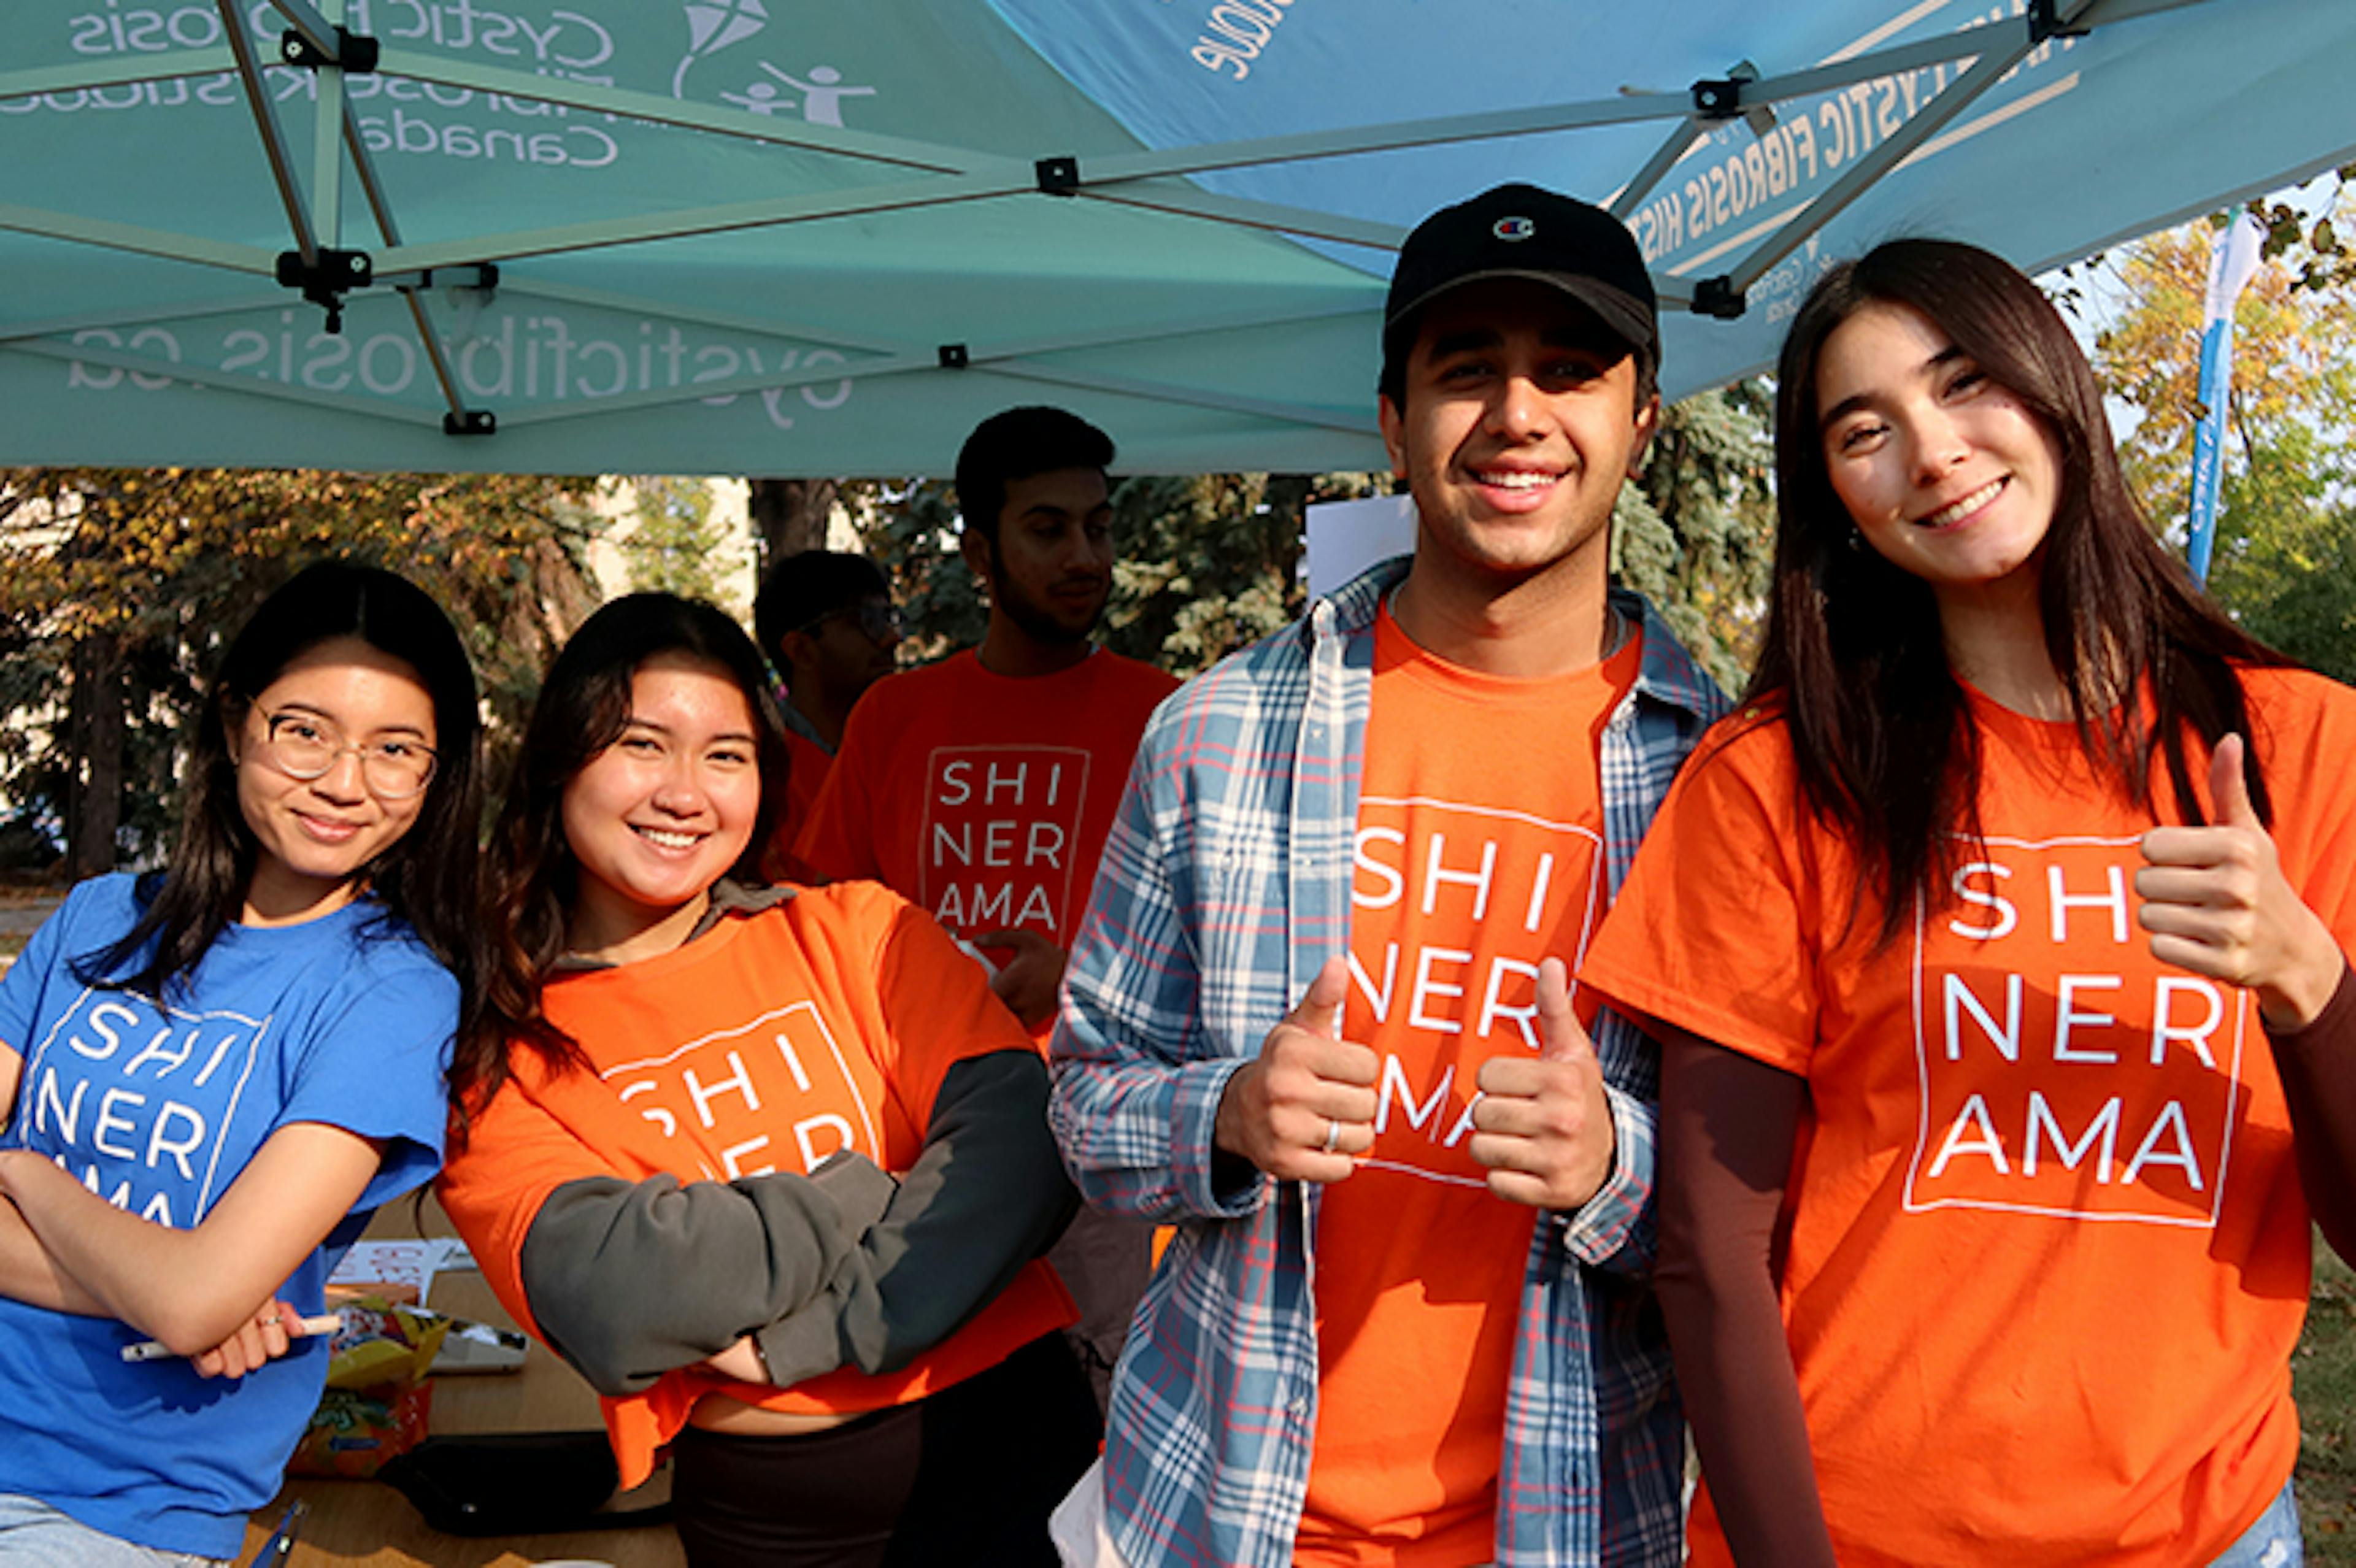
1318, 1018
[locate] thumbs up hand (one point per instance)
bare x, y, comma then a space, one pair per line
1542, 1124
2216, 902
1307, 1104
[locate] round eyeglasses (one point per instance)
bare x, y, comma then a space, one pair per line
304, 746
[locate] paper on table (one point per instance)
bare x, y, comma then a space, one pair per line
411, 1263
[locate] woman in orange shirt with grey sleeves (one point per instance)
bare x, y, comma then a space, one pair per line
769, 1166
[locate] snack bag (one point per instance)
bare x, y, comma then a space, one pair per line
377, 1399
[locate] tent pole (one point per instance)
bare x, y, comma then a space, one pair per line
328, 123
1163, 393
895, 197
889, 358
1960, 94
229, 381
274, 144
1192, 201
1015, 359
1012, 368
1485, 126
724, 321
62, 326
117, 70
140, 241
1963, 45
460, 420
1663, 160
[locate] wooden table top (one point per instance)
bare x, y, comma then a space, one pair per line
365, 1524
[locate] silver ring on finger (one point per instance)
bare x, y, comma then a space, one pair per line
1333, 1135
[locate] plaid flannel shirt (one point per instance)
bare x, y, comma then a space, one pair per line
1223, 887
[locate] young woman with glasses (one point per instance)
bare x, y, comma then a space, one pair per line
210, 1074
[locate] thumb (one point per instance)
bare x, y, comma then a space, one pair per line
2229, 788
1320, 1011
1561, 1037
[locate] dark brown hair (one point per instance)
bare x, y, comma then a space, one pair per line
1853, 660
424, 878
530, 876
1018, 444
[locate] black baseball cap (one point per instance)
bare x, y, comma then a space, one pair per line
1524, 232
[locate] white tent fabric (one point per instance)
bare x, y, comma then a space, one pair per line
773, 237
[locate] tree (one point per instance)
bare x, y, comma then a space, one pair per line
789, 516
673, 538
910, 529
2289, 341
2284, 561
118, 589
1212, 564
2308, 244
1694, 533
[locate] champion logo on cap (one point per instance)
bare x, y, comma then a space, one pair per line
1514, 228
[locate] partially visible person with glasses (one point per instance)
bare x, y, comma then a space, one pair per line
209, 1072
827, 626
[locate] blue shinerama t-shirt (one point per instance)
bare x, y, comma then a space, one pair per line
346, 1020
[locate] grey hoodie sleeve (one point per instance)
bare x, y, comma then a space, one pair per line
988, 1194
631, 1279
845, 1267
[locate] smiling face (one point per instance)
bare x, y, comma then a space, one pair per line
663, 812
1520, 418
1050, 570
1947, 474
314, 836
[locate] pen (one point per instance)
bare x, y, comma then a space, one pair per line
154, 1350
281, 1544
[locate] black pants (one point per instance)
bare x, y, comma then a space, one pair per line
963, 1480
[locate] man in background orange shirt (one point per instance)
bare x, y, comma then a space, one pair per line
980, 788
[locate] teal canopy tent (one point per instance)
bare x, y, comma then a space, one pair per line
784, 238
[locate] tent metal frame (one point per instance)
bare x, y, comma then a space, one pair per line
922, 175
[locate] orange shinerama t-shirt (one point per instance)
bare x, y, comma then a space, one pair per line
768, 1044
1479, 840
982, 798
2048, 1253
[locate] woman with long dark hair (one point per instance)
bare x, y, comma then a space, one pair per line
217, 1070
769, 1166
1998, 942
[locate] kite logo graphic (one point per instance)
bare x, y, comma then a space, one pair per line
712, 26
1514, 228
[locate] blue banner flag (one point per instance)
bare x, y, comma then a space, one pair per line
2231, 265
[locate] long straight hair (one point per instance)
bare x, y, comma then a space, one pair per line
425, 877
1853, 660
530, 876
